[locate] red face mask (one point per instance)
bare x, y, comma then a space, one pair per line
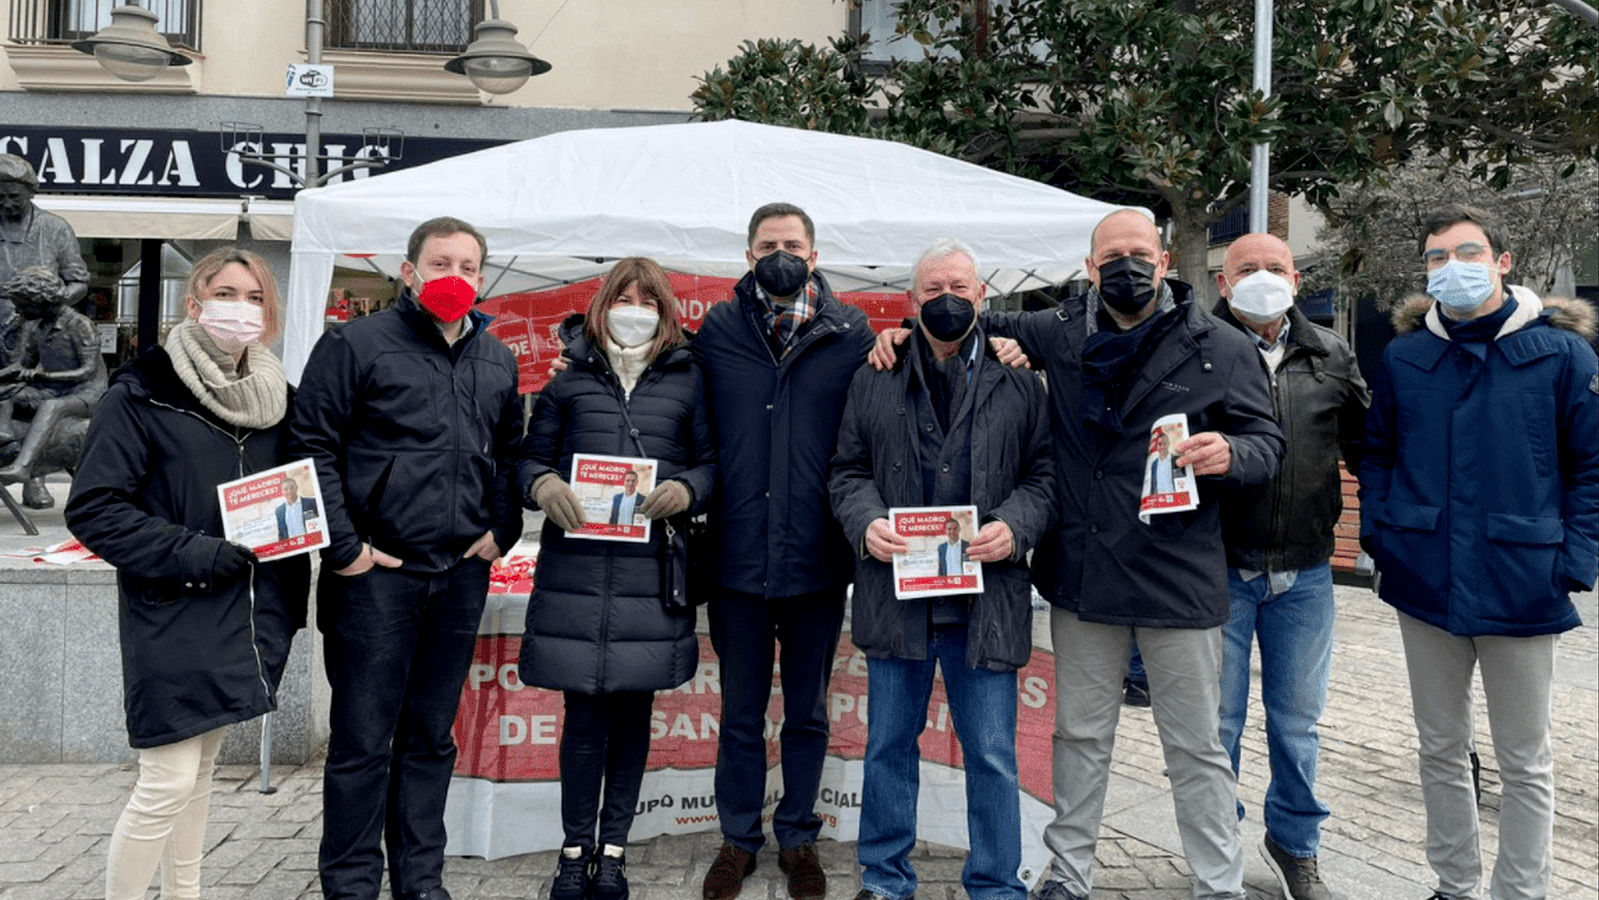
449, 298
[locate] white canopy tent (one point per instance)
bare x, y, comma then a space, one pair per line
555, 209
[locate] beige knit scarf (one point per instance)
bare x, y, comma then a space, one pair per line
257, 399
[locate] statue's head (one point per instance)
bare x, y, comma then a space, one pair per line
36, 291
18, 184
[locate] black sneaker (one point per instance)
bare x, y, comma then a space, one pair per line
571, 877
1135, 693
609, 881
1476, 777
1056, 890
1298, 878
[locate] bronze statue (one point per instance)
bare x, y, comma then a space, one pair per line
55, 376
30, 236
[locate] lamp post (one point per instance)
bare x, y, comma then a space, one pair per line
130, 47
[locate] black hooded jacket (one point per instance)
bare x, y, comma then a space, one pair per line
197, 653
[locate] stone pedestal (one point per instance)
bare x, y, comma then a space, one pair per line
61, 668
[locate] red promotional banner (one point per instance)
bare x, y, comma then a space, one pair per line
529, 323
509, 732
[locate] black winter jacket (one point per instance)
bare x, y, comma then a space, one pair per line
1013, 481
598, 620
415, 441
1101, 561
776, 426
1320, 400
196, 654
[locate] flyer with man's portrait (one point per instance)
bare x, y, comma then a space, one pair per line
276, 513
937, 561
610, 489
1168, 487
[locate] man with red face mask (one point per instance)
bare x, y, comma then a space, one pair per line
413, 419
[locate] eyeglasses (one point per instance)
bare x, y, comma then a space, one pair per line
1469, 252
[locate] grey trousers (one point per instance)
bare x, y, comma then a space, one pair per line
1184, 683
1516, 677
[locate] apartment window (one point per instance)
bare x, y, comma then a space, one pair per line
405, 26
59, 21
877, 19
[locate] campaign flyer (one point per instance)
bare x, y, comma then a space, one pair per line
276, 512
1168, 487
610, 489
936, 563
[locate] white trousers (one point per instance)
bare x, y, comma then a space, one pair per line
1516, 677
163, 824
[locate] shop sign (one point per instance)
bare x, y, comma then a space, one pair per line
175, 162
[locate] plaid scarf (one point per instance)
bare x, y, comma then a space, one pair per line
783, 323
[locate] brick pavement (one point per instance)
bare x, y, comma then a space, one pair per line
55, 819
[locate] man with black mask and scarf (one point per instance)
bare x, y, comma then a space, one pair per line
949, 425
1133, 349
778, 360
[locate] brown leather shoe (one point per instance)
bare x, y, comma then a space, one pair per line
805, 878
727, 874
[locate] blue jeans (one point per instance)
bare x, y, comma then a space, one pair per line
1291, 615
982, 705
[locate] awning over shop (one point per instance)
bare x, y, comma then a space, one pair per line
180, 218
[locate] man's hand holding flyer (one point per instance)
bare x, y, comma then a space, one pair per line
611, 489
937, 562
276, 513
1168, 487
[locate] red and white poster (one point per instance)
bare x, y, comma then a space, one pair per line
1168, 487
610, 489
505, 797
936, 563
276, 512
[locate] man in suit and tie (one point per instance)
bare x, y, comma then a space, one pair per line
622, 503
952, 554
1161, 480
294, 510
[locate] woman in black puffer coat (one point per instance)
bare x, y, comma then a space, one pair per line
205, 628
608, 623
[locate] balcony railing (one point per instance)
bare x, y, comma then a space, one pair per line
62, 21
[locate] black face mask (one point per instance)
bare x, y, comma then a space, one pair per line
1127, 284
781, 274
948, 318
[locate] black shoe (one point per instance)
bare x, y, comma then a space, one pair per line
571, 877
437, 893
1476, 776
1056, 890
609, 881
1135, 693
1298, 878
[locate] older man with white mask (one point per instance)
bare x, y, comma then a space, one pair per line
1279, 539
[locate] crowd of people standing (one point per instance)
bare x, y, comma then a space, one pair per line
793, 430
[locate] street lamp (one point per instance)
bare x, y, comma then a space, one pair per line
495, 60
130, 47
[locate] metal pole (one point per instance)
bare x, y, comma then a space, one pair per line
266, 755
1260, 158
315, 27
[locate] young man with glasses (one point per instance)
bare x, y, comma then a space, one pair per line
1479, 501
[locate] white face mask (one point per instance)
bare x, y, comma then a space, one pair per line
1261, 297
630, 326
232, 324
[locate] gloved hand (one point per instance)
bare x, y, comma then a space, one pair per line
555, 497
232, 561
668, 499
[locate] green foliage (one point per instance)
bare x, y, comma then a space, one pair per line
1150, 101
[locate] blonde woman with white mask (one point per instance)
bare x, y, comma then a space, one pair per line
205, 628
